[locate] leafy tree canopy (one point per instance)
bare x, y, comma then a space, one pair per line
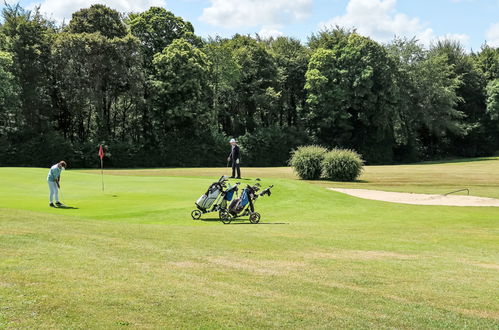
98, 18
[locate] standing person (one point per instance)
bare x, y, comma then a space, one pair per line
54, 179
235, 157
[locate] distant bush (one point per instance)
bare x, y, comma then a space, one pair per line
342, 165
30, 149
306, 161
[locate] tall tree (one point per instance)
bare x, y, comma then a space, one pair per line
255, 91
225, 72
291, 59
487, 60
182, 90
351, 95
493, 99
98, 18
471, 93
330, 38
427, 100
9, 92
157, 28
94, 74
29, 38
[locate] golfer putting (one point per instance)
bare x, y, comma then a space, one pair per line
54, 182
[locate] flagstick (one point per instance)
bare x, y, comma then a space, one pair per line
102, 173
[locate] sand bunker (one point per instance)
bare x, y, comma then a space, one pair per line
419, 199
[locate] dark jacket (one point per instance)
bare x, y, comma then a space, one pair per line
235, 154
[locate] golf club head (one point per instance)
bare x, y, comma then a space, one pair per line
258, 179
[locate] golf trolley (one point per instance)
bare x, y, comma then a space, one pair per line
244, 205
215, 199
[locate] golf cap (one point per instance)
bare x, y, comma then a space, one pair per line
232, 141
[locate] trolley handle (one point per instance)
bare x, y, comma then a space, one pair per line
267, 191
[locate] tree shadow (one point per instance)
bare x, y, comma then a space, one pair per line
459, 160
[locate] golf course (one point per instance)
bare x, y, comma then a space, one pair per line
131, 255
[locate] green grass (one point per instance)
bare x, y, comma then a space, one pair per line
132, 257
479, 175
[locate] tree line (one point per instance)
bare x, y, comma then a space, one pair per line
156, 94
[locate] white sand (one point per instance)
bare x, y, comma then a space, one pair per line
419, 199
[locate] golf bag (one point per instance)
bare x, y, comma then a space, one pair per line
208, 198
246, 198
215, 198
244, 205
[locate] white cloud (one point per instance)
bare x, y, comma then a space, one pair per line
267, 33
492, 35
464, 39
251, 13
380, 20
63, 9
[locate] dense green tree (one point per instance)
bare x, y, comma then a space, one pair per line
487, 60
182, 88
98, 18
436, 88
427, 100
351, 95
330, 38
328, 122
3, 41
493, 99
408, 55
291, 59
224, 76
471, 93
9, 92
29, 37
145, 83
157, 28
255, 91
97, 82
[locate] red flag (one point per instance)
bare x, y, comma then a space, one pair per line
101, 152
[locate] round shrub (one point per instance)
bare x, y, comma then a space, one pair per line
342, 165
306, 161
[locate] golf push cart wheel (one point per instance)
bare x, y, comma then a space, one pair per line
255, 217
196, 214
222, 212
225, 217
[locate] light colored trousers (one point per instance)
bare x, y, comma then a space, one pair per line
54, 191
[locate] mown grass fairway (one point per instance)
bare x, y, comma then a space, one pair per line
132, 256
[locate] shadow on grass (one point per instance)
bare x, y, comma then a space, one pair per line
244, 222
329, 182
209, 219
66, 207
451, 161
260, 223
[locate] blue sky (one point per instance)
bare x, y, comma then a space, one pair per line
470, 21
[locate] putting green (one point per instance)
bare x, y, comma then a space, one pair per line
131, 256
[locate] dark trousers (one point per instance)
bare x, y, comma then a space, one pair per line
234, 168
